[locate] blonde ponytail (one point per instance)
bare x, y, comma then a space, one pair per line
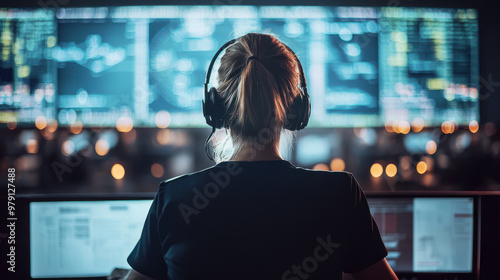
258, 81
259, 103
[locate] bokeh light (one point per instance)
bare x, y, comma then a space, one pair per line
124, 124
421, 167
162, 119
157, 170
360, 132
76, 127
12, 123
117, 171
40, 122
52, 125
102, 147
431, 147
32, 146
376, 170
417, 125
163, 137
473, 126
395, 127
447, 127
321, 166
404, 127
391, 170
337, 164
47, 135
68, 147
389, 127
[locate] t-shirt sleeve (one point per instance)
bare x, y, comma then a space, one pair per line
147, 255
364, 244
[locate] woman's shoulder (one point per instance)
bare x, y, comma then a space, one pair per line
337, 176
200, 177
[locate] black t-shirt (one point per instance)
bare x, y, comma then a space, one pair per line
258, 220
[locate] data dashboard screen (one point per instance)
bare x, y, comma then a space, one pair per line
146, 64
426, 234
28, 77
83, 238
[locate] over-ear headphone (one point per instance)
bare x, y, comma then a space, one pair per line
297, 116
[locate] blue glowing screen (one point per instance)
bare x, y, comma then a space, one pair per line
365, 66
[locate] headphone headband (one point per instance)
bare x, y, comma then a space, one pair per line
209, 71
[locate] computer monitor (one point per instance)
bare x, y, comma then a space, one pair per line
86, 236
145, 65
28, 78
428, 234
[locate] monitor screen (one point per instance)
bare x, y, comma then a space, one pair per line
146, 65
83, 238
28, 76
426, 234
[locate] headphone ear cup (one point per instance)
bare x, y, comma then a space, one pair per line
208, 106
294, 116
217, 109
299, 111
306, 107
298, 116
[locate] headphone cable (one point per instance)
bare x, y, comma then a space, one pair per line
209, 155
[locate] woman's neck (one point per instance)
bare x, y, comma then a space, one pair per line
257, 153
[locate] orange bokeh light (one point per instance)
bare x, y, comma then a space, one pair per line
473, 126
376, 170
321, 166
124, 124
421, 167
102, 147
76, 127
447, 127
417, 125
40, 122
337, 164
117, 171
391, 170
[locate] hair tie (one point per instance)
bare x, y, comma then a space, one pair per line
251, 57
